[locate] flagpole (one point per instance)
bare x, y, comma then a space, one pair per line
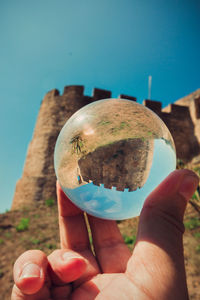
149, 87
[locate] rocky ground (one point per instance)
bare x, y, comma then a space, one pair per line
37, 228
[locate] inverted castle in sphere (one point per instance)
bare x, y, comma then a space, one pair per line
38, 179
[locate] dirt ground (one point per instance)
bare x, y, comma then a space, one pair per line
37, 228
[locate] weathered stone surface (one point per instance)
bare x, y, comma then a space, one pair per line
125, 164
38, 179
30, 189
184, 124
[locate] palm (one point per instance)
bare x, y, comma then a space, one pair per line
155, 269
90, 289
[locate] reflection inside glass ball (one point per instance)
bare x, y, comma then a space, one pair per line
110, 155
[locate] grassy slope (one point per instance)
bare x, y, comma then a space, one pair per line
40, 231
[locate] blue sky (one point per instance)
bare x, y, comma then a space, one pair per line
110, 44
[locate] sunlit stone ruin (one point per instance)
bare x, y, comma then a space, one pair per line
38, 179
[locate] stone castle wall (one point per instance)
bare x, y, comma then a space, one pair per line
38, 179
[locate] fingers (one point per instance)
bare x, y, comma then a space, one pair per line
111, 252
38, 277
158, 254
165, 206
110, 249
173, 194
161, 220
29, 271
73, 231
65, 266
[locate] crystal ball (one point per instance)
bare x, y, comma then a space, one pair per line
110, 155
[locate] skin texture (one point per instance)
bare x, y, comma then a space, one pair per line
155, 269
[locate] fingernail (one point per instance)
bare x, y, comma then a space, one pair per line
188, 186
30, 270
68, 256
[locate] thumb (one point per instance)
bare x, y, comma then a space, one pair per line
164, 208
29, 273
158, 254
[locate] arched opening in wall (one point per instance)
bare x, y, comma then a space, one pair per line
197, 107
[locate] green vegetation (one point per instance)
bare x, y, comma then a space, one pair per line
197, 235
129, 240
195, 196
35, 241
198, 248
150, 133
102, 123
23, 225
51, 246
1, 241
192, 223
49, 202
197, 170
123, 125
77, 144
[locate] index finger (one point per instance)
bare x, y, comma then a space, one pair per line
74, 233
73, 230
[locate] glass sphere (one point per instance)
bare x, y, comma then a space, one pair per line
110, 155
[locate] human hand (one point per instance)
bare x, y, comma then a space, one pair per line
155, 269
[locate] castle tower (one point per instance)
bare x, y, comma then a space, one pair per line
38, 180
183, 120
192, 101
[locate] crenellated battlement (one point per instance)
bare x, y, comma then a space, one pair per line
122, 96
99, 94
179, 110
156, 106
38, 178
76, 89
52, 93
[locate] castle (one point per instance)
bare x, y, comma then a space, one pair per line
38, 180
